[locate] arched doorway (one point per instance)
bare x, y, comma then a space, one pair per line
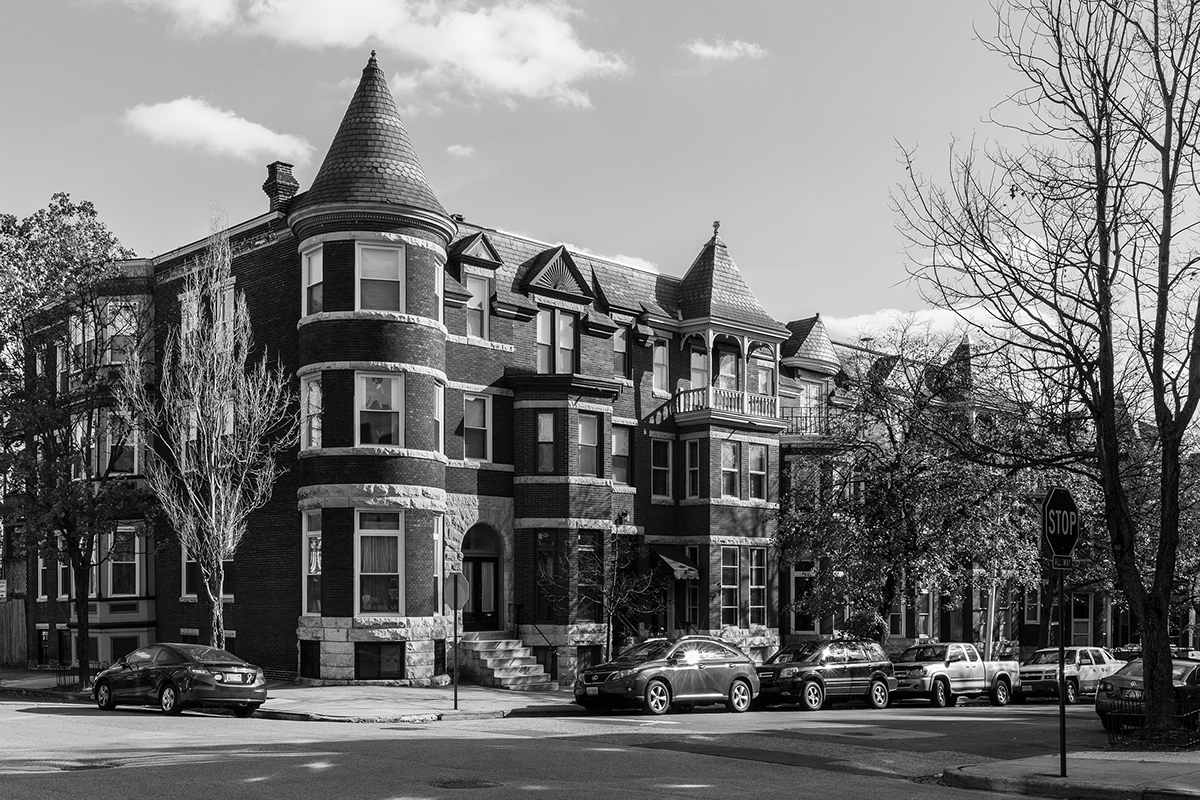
481, 566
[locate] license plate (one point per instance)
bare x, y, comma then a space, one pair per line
593, 690
1132, 694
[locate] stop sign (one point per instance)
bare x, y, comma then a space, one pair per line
1060, 521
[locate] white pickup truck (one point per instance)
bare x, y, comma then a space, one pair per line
942, 672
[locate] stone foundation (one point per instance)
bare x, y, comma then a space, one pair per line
338, 635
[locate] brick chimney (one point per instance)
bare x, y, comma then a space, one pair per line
280, 186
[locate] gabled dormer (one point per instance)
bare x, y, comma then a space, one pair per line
553, 272
477, 251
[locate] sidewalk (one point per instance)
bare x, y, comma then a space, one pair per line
1105, 775
374, 703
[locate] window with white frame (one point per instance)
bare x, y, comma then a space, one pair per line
439, 559
589, 444
660, 468
758, 471
730, 585
556, 341
762, 376
693, 467
698, 367
379, 409
545, 442
314, 282
896, 619
727, 369
120, 456
439, 417
380, 573
622, 459
621, 359
925, 613
731, 462
439, 294
123, 572
120, 330
1033, 606
480, 289
758, 586
193, 578
692, 590
64, 570
311, 406
312, 561
477, 427
83, 342
380, 278
63, 366
43, 577
660, 377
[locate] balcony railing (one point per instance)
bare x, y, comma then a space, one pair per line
806, 421
733, 401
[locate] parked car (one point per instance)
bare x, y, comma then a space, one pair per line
179, 676
1085, 667
942, 672
813, 673
1120, 701
660, 674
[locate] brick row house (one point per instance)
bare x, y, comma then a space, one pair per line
473, 400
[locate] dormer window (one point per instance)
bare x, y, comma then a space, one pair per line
621, 352
556, 345
477, 307
380, 278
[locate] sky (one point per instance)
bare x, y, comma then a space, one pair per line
623, 128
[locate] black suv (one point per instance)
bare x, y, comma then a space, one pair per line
814, 672
660, 673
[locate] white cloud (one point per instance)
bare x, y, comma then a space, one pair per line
461, 150
637, 262
511, 49
852, 329
191, 122
722, 50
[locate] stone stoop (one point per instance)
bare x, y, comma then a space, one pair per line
489, 658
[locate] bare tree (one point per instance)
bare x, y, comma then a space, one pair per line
217, 418
1078, 251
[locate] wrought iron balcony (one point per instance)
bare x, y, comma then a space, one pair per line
806, 421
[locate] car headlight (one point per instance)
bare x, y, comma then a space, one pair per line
788, 672
919, 672
622, 674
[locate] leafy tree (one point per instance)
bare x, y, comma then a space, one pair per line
1077, 249
898, 509
68, 315
216, 419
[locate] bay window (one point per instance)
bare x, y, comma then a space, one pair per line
380, 571
730, 586
589, 444
731, 455
314, 282
660, 468
758, 472
758, 586
622, 441
123, 563
545, 442
693, 468
311, 407
556, 345
312, 562
379, 409
380, 278
477, 429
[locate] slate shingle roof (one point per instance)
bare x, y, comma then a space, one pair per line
714, 287
371, 158
809, 339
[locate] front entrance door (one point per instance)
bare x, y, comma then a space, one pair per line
481, 567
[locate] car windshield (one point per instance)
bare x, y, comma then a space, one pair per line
646, 651
1179, 670
927, 652
801, 652
199, 652
1050, 657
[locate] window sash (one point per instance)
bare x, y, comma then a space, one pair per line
380, 562
621, 352
381, 278
661, 374
660, 468
477, 306
727, 370
758, 586
730, 469
545, 442
439, 418
730, 585
758, 472
312, 561
699, 368
476, 428
693, 468
622, 439
379, 410
314, 282
191, 585
123, 565
589, 444
312, 403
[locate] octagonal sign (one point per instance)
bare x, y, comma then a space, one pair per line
1060, 521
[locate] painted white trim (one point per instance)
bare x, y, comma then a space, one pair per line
628, 422
373, 236
478, 388
463, 463
579, 405
572, 480
473, 341
732, 437
371, 366
653, 434
386, 316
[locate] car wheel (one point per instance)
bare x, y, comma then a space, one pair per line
812, 697
168, 700
878, 695
1110, 722
1000, 693
104, 697
1072, 693
657, 697
241, 712
740, 696
939, 696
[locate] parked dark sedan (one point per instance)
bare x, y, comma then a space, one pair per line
179, 676
812, 673
1120, 700
659, 674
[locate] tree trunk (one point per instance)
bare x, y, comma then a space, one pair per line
83, 632
1156, 667
214, 587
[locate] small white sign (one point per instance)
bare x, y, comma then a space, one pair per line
3, 591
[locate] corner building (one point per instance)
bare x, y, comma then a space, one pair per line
476, 401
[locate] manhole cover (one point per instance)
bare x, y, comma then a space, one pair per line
465, 784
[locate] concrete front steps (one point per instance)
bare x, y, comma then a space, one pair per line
489, 658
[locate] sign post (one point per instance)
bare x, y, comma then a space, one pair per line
1060, 530
455, 593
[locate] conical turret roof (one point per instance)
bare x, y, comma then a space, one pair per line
372, 159
714, 287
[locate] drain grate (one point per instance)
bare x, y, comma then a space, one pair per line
465, 783
934, 780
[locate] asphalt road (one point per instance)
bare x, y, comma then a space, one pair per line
51, 750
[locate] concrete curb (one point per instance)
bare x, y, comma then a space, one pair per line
1052, 786
46, 694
